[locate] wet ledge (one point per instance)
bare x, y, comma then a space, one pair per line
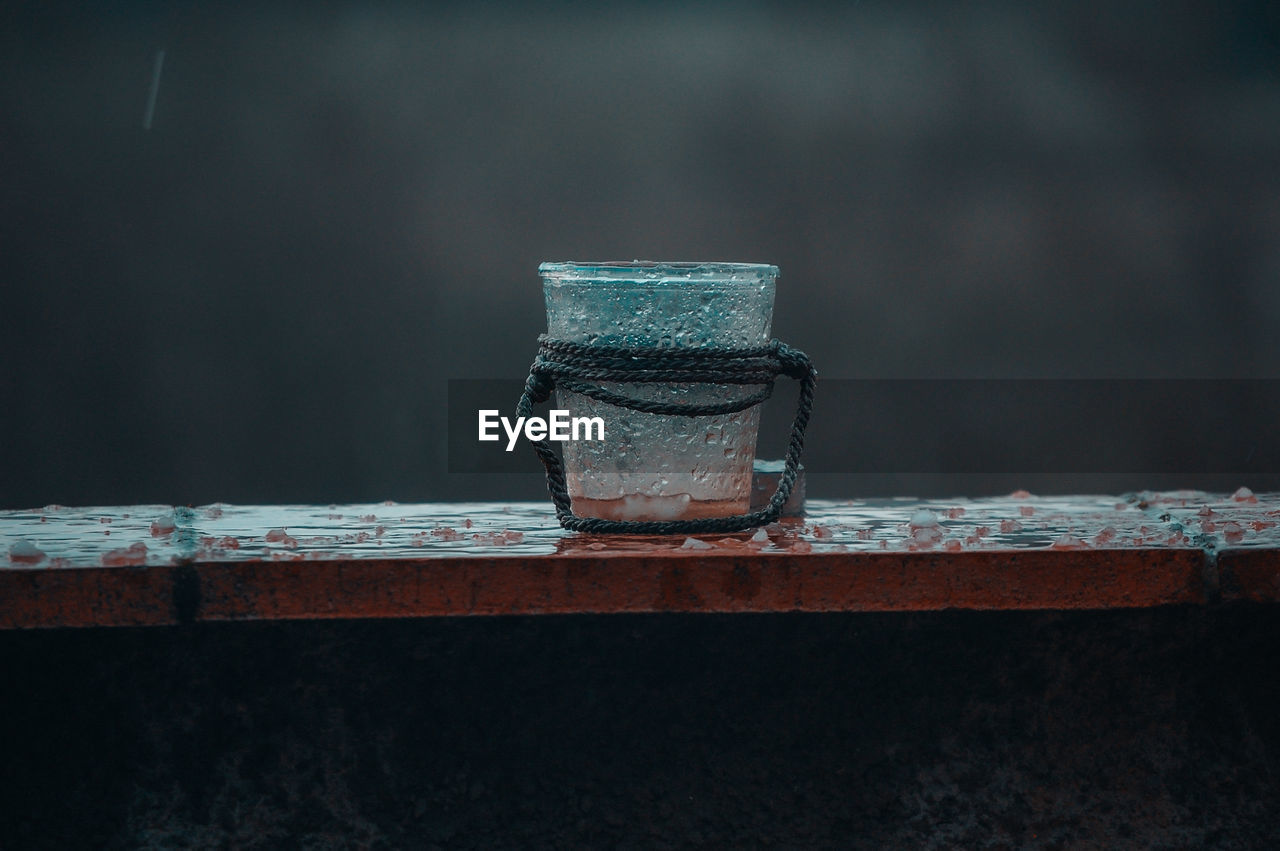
161, 565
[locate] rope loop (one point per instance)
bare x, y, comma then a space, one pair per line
580, 367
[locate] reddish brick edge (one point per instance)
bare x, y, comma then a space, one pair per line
1249, 575
91, 596
568, 584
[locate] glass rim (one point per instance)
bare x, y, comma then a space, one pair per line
620, 269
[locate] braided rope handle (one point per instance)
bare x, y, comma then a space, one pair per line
575, 365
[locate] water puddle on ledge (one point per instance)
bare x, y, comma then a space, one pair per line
124, 536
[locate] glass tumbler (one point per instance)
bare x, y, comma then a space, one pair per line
660, 466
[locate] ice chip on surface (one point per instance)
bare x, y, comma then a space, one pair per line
925, 536
280, 536
25, 552
1244, 495
162, 526
133, 555
922, 518
695, 544
760, 537
1232, 532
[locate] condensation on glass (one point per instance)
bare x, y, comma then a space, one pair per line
655, 466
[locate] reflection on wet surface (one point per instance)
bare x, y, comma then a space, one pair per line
123, 536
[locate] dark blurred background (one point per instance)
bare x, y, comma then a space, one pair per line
337, 208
